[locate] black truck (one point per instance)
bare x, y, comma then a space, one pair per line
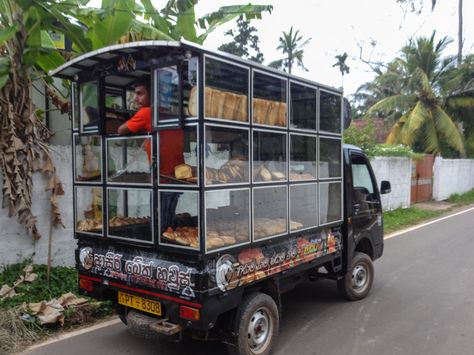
263, 195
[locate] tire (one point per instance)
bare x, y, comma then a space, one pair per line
256, 326
122, 313
357, 282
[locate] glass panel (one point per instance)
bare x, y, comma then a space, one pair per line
302, 157
179, 218
128, 160
90, 105
330, 117
178, 156
269, 100
227, 218
89, 209
329, 158
227, 155
269, 156
75, 105
167, 90
270, 211
303, 107
88, 153
361, 178
226, 92
304, 206
129, 214
116, 112
330, 195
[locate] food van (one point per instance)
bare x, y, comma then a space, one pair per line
263, 195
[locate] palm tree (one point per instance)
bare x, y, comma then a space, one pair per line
341, 63
292, 49
422, 101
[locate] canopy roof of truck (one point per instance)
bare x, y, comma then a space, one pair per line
85, 66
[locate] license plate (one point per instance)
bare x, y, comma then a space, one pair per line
140, 303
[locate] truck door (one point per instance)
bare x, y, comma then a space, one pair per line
366, 206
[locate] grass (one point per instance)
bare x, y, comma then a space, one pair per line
462, 199
405, 217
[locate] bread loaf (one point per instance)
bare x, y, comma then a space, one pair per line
281, 121
241, 113
193, 102
230, 104
217, 106
183, 171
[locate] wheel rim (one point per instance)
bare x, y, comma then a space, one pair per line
360, 277
259, 330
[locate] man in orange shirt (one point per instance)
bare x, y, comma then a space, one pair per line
171, 140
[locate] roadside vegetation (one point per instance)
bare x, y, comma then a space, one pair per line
24, 285
405, 217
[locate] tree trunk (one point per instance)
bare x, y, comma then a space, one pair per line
460, 40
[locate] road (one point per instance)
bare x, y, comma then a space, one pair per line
422, 302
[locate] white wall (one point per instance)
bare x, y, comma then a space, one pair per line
398, 172
452, 176
16, 244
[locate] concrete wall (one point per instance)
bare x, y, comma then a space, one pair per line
452, 176
16, 244
398, 172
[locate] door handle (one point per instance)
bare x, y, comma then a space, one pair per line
356, 208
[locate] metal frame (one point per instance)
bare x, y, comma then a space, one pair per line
225, 120
198, 219
283, 78
338, 134
301, 134
287, 231
290, 107
127, 184
280, 132
318, 156
152, 222
76, 187
249, 226
316, 186
74, 160
341, 203
249, 154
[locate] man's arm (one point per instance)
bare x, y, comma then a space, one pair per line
123, 129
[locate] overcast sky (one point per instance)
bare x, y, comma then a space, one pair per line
338, 26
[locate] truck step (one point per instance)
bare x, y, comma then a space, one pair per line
166, 328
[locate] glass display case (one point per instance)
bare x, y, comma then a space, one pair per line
89, 103
227, 218
129, 214
302, 157
226, 90
179, 218
330, 202
302, 107
227, 155
87, 158
330, 158
270, 210
88, 210
269, 156
269, 100
128, 160
330, 112
303, 206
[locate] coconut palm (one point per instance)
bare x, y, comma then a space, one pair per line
292, 48
421, 103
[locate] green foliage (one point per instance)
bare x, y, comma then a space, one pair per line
244, 41
405, 217
361, 137
62, 280
462, 199
391, 150
292, 49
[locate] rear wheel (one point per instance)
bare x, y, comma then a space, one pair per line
357, 282
256, 326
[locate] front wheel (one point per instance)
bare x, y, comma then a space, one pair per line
256, 326
357, 282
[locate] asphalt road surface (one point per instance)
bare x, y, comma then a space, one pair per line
422, 302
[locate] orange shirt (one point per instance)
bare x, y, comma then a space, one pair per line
171, 141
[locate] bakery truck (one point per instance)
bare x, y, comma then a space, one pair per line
264, 194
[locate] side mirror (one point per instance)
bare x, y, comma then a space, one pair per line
385, 187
